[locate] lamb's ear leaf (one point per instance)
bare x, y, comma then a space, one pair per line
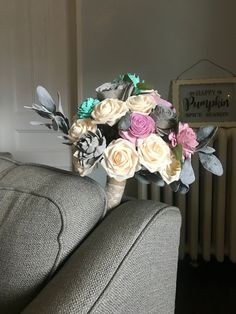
183, 188
125, 122
48, 125
175, 186
211, 163
205, 135
59, 103
156, 179
187, 175
41, 110
59, 122
55, 125
146, 177
206, 150
45, 99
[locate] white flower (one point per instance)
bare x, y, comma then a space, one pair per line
109, 111
172, 171
141, 103
154, 153
80, 127
120, 160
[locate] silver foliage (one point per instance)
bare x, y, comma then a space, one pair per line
90, 148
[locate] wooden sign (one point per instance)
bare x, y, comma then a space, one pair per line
208, 101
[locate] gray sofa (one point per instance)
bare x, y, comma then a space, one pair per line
58, 254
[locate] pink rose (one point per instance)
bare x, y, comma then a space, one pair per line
141, 126
186, 137
162, 102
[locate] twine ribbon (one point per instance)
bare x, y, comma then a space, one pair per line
209, 61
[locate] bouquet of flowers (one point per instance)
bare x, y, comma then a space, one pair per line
131, 131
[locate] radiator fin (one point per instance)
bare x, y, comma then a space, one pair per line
208, 210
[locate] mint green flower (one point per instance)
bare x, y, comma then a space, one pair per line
85, 109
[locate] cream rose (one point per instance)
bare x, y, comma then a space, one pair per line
172, 171
154, 153
81, 126
109, 111
120, 160
141, 103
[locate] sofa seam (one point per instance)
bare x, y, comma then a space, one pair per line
132, 246
11, 160
59, 236
6, 171
61, 171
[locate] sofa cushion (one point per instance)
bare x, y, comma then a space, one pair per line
44, 214
5, 165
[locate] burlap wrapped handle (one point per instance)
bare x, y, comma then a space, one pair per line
114, 191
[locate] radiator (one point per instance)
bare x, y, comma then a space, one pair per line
209, 208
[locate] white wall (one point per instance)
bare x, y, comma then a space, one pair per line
156, 38
37, 47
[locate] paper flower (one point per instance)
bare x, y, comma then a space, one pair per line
185, 137
172, 171
109, 111
141, 126
117, 90
85, 109
154, 153
161, 102
165, 119
80, 127
131, 131
120, 160
141, 104
90, 148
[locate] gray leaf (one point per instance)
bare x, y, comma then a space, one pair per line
183, 189
187, 175
146, 177
125, 122
166, 124
156, 179
48, 125
127, 91
205, 134
175, 186
211, 163
54, 125
61, 124
41, 110
36, 123
206, 150
45, 99
59, 103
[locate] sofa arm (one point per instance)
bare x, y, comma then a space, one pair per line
127, 264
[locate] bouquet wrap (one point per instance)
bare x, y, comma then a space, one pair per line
114, 192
